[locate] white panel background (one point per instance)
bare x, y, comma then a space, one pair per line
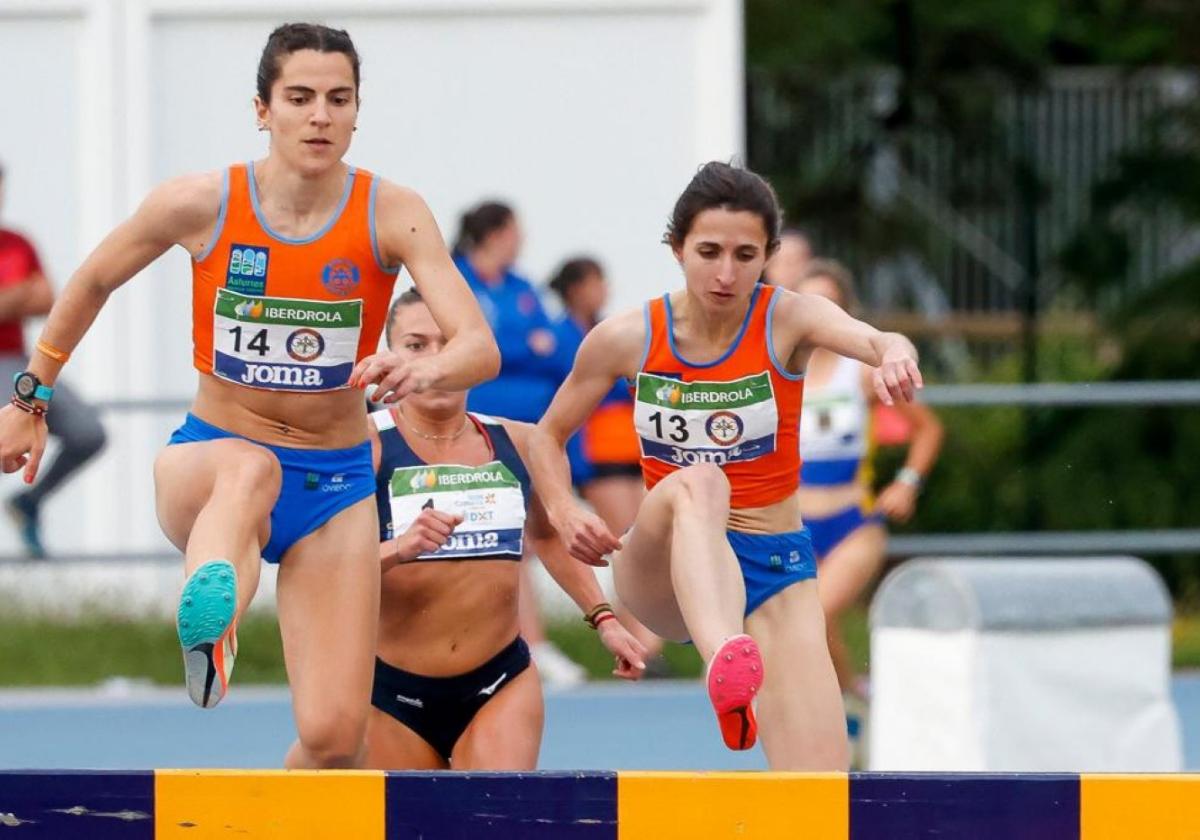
588, 115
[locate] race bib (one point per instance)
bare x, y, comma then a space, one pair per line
282, 344
720, 423
488, 498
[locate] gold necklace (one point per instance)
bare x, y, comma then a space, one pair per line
427, 436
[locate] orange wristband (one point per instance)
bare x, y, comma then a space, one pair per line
53, 352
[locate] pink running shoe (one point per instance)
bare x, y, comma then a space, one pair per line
735, 674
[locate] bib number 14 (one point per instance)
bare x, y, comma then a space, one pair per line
257, 342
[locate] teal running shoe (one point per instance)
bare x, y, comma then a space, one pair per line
208, 631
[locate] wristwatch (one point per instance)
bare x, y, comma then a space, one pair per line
28, 387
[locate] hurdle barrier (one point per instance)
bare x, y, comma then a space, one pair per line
370, 805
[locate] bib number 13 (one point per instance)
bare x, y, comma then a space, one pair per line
680, 432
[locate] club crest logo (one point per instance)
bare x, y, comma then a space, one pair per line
340, 277
305, 345
724, 428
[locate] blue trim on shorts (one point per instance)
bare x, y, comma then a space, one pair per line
317, 485
829, 531
772, 562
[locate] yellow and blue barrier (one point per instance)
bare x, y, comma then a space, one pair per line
367, 805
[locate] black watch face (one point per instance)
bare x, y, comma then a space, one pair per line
26, 385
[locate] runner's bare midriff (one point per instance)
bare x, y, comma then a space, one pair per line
441, 618
326, 420
778, 518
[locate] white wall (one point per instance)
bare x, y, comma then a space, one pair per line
588, 115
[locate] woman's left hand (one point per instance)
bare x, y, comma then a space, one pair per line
629, 654
897, 378
395, 376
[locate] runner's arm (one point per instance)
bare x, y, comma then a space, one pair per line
608, 352
579, 582
813, 321
172, 213
409, 235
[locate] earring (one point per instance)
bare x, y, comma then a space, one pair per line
262, 126
355, 128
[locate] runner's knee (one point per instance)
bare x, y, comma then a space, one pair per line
334, 737
705, 486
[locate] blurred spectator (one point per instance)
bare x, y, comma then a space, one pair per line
486, 250
26, 292
488, 243
787, 265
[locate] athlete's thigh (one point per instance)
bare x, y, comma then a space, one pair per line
393, 746
506, 734
328, 606
642, 568
185, 474
799, 707
850, 567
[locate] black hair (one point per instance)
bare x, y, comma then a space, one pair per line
292, 37
479, 222
731, 187
571, 273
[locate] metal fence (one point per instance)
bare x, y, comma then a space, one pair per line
954, 231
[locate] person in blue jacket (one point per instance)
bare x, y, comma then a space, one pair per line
486, 250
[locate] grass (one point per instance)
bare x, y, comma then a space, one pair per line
38, 652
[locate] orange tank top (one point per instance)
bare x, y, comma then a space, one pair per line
283, 314
740, 411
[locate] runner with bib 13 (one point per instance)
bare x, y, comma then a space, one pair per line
718, 554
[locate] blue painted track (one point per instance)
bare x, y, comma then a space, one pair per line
660, 726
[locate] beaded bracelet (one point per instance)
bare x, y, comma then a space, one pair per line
28, 408
590, 619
